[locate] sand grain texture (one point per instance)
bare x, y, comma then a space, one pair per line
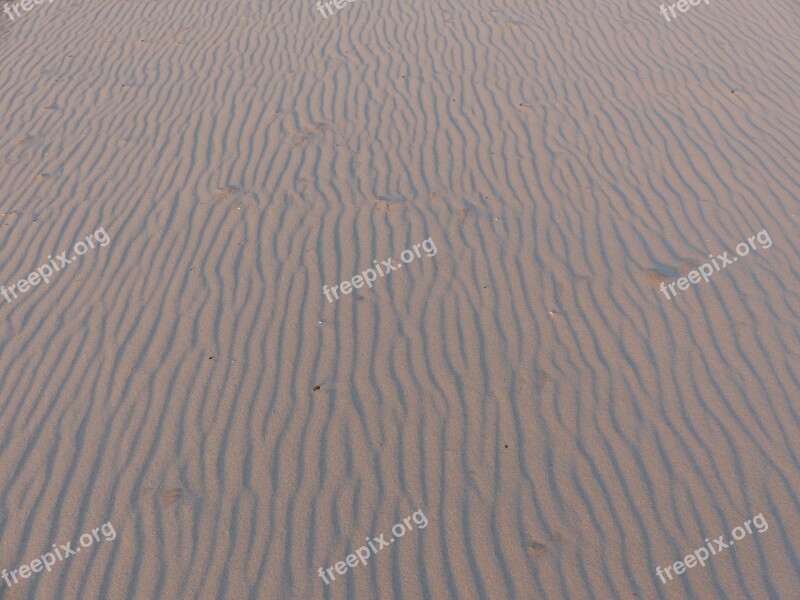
564, 427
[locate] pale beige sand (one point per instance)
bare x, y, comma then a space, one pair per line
563, 426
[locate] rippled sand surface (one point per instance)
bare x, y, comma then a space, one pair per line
563, 426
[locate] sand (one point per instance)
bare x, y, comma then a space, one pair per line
564, 427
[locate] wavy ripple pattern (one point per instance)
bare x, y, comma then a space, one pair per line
563, 426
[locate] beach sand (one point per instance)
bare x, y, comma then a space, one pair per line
564, 427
